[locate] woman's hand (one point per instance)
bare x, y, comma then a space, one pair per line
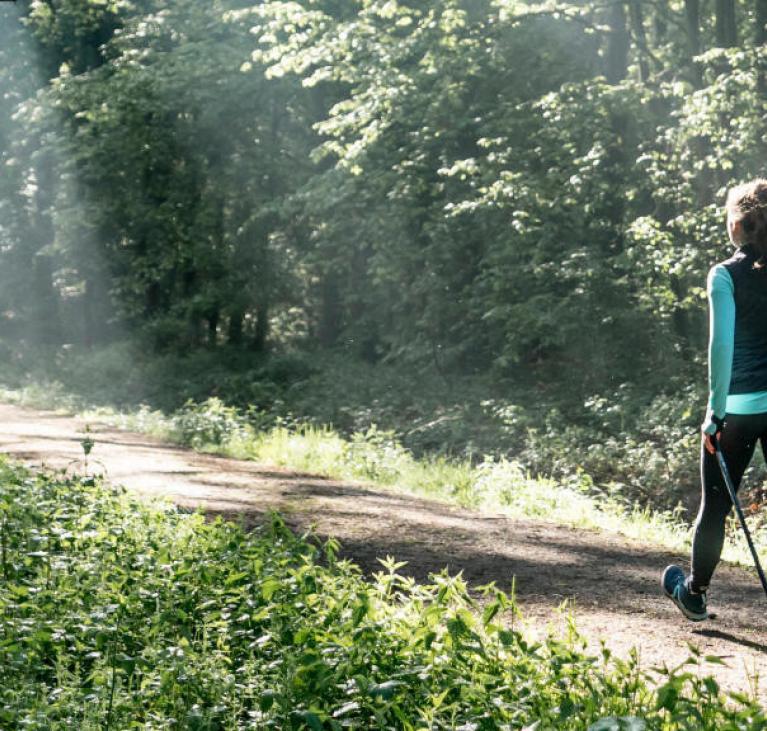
711, 429
708, 443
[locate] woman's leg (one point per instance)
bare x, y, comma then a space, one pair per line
738, 440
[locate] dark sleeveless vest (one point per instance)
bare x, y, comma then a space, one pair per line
749, 362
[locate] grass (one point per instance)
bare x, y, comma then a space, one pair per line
493, 485
119, 614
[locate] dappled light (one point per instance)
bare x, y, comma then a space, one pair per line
422, 307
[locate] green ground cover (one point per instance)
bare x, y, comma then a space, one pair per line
640, 441
117, 614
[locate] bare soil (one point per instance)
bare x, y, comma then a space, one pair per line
611, 583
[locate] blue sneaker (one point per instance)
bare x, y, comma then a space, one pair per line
691, 604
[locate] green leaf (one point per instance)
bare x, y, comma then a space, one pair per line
385, 690
311, 719
346, 709
267, 699
491, 610
269, 588
668, 695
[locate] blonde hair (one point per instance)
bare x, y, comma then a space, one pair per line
747, 203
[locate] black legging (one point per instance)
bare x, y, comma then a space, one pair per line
738, 440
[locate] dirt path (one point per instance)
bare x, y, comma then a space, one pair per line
611, 581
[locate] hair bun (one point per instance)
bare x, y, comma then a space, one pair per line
747, 203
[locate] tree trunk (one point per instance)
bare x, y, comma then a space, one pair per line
760, 37
760, 13
637, 22
726, 29
88, 323
262, 326
692, 17
330, 311
46, 313
660, 22
617, 44
213, 318
152, 299
234, 334
46, 316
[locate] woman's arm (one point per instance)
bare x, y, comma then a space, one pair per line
721, 344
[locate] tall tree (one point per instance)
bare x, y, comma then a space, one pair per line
760, 22
692, 24
760, 36
643, 51
726, 25
618, 44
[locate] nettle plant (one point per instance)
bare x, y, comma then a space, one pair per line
117, 615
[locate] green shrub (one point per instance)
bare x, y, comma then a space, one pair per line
210, 423
120, 615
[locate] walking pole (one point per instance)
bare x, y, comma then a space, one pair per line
739, 511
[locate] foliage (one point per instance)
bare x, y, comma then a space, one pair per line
624, 442
213, 423
377, 175
442, 247
118, 615
376, 231
360, 182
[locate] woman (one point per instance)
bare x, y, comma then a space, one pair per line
737, 406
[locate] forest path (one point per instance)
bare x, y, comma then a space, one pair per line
611, 581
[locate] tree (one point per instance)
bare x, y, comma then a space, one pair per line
179, 160
726, 26
618, 44
643, 51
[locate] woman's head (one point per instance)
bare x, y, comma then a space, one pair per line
747, 215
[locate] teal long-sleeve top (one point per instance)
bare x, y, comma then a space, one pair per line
721, 346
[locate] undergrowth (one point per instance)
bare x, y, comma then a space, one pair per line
377, 457
640, 438
486, 482
117, 614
